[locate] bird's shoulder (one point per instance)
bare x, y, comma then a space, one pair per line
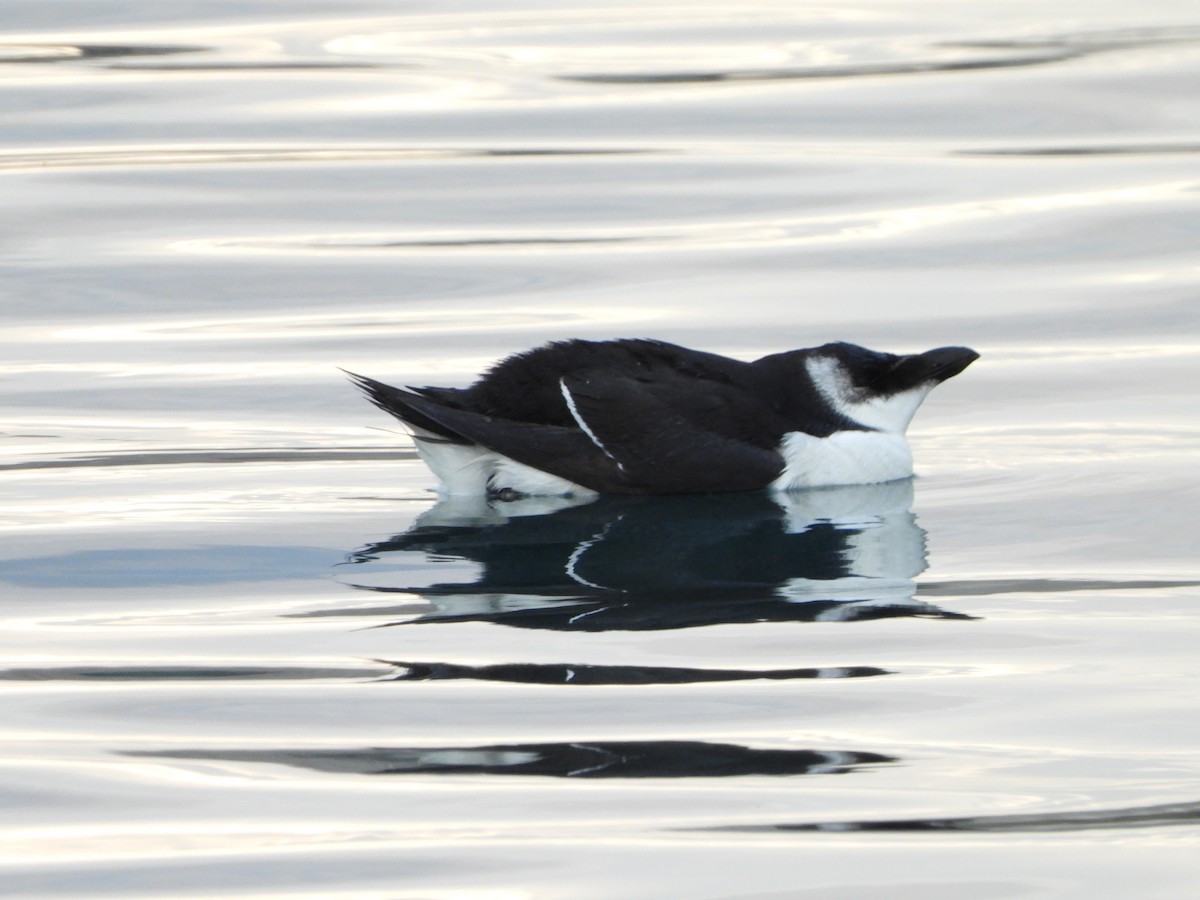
527, 386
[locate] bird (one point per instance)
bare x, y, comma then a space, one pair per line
579, 418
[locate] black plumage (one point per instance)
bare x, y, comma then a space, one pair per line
646, 416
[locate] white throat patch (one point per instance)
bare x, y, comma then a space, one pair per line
889, 413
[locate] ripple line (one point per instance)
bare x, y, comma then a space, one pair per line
141, 157
207, 457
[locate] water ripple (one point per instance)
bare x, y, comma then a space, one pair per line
144, 157
1083, 820
1012, 54
990, 587
790, 231
150, 672
210, 457
67, 52
862, 70
1132, 149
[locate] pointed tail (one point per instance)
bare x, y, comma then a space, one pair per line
399, 403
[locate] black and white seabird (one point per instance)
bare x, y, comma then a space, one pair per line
635, 416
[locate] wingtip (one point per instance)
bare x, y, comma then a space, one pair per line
353, 376
369, 386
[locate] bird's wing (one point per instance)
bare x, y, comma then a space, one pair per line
660, 446
633, 437
565, 452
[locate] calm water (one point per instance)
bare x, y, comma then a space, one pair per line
246, 655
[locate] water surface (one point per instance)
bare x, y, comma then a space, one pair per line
246, 653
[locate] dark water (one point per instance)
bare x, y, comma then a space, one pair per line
246, 654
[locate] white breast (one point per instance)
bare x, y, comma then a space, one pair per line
845, 457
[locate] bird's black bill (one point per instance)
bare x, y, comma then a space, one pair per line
946, 362
934, 365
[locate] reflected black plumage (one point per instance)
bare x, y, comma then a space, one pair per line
574, 759
584, 675
656, 563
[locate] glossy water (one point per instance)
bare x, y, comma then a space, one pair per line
244, 653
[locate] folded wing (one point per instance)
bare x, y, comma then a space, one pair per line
634, 435
658, 446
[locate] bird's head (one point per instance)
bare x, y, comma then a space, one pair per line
881, 390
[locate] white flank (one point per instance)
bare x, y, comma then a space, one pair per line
527, 480
463, 470
474, 471
845, 457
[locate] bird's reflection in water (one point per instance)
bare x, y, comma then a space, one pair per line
579, 675
577, 759
645, 563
